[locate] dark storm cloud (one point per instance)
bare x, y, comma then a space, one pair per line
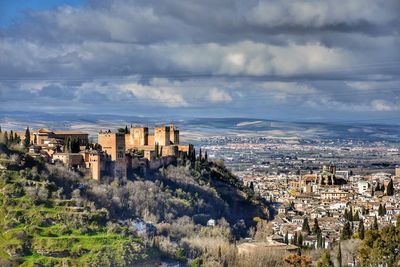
198, 54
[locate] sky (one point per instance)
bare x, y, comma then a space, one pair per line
284, 60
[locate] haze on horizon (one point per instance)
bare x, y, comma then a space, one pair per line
283, 60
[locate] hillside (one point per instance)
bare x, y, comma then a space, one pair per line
51, 216
42, 225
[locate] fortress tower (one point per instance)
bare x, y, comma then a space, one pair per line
162, 136
139, 136
173, 135
114, 145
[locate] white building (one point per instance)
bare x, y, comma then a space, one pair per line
363, 187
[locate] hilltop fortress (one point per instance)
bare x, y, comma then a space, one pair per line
113, 153
164, 142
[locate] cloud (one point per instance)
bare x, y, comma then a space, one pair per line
322, 13
281, 58
283, 90
159, 90
382, 105
255, 59
371, 85
219, 96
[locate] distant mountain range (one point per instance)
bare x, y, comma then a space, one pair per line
195, 128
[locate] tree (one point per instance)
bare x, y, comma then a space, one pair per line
375, 225
356, 217
126, 129
306, 226
298, 260
5, 138
156, 148
205, 156
17, 140
316, 228
346, 231
350, 214
319, 240
380, 248
300, 240
339, 255
27, 140
325, 260
390, 188
381, 211
361, 230
11, 137
251, 186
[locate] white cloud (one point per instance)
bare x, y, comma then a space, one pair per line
219, 96
382, 105
159, 91
251, 58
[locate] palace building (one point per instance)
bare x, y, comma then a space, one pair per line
163, 142
164, 139
44, 137
113, 152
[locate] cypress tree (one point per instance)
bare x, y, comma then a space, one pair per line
16, 138
193, 156
156, 149
252, 186
390, 188
375, 224
200, 155
351, 214
300, 240
206, 156
316, 228
306, 226
361, 230
380, 210
5, 138
27, 140
286, 240
0, 129
346, 231
356, 217
319, 240
11, 137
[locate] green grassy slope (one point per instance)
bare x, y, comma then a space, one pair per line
41, 229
